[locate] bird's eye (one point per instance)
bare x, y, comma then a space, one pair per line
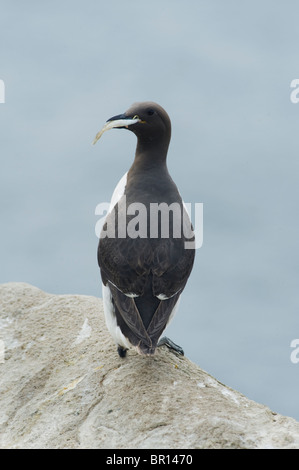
136, 116
150, 112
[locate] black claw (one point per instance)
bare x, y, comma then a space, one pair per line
121, 351
171, 345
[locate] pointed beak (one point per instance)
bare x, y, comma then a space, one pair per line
120, 120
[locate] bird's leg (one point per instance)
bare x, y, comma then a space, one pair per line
121, 351
170, 344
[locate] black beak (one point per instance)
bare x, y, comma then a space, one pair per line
122, 121
119, 116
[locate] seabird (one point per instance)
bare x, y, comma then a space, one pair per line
145, 271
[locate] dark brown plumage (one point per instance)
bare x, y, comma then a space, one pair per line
143, 278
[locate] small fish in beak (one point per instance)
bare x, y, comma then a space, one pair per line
111, 123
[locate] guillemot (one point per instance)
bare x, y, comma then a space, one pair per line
143, 260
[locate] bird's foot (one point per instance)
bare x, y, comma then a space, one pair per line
171, 345
122, 352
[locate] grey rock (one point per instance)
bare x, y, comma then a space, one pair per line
62, 385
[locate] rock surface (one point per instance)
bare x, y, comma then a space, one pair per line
62, 385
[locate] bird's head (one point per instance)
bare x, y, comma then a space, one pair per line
148, 120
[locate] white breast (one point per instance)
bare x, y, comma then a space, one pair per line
118, 192
110, 318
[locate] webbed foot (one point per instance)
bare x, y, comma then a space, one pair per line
122, 352
171, 345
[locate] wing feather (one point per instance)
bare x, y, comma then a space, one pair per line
145, 267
